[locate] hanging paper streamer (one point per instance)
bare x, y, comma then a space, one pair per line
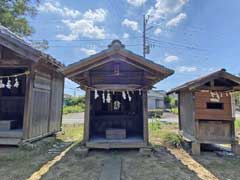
140, 92
108, 99
124, 95
221, 94
95, 94
9, 86
129, 97
16, 84
103, 97
1, 84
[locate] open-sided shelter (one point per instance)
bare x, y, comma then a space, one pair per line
116, 83
207, 109
31, 91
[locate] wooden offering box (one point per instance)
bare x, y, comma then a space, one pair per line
116, 133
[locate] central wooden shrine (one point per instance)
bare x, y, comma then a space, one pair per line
116, 83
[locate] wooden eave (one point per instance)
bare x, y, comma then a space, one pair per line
198, 83
11, 41
158, 72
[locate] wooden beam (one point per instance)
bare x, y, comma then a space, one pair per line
19, 48
145, 115
87, 116
1, 52
28, 106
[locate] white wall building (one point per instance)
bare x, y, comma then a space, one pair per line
156, 99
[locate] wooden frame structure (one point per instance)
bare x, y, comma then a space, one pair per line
207, 109
118, 77
36, 106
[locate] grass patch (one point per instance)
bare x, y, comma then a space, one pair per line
237, 124
72, 109
71, 132
174, 110
163, 133
172, 139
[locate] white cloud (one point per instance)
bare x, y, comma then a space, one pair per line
130, 24
82, 27
170, 58
97, 15
57, 8
125, 35
136, 3
158, 31
88, 52
186, 68
69, 37
164, 8
176, 20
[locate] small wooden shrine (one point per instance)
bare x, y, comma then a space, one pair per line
31, 91
116, 83
207, 109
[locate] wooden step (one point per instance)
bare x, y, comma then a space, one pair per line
10, 141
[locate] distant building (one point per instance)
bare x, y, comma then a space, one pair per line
156, 99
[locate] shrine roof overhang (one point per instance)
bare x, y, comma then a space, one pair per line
116, 51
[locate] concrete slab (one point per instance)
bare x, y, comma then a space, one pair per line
111, 169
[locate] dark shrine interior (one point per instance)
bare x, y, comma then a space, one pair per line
12, 100
120, 113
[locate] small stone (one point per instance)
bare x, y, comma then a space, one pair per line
145, 151
81, 151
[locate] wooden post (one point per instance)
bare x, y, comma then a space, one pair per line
1, 52
145, 116
27, 106
87, 116
179, 112
196, 150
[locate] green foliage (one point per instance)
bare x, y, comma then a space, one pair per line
13, 15
237, 98
72, 109
74, 101
74, 105
237, 124
172, 139
170, 101
155, 126
174, 110
155, 113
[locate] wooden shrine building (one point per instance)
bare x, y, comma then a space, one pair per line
207, 109
31, 91
116, 83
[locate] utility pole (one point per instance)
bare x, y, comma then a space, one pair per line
146, 48
144, 35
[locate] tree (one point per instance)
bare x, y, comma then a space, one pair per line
13, 15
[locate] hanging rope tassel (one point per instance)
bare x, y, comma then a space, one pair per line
95, 94
103, 97
1, 84
16, 84
108, 99
9, 86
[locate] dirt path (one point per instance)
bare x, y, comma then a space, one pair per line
159, 166
193, 165
45, 168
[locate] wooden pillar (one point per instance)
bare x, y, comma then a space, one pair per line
145, 116
28, 106
87, 116
179, 112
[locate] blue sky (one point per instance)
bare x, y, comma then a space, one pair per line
193, 37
